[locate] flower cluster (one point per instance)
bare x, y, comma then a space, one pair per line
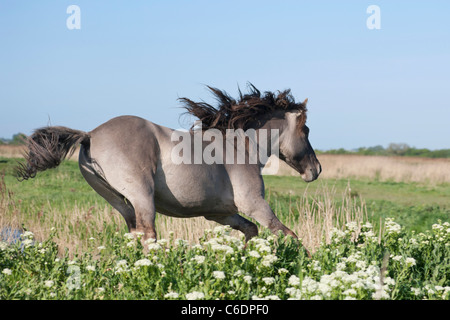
353, 264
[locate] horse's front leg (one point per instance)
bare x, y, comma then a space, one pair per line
262, 212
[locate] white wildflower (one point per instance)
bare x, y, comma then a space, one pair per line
195, 295
222, 248
392, 227
7, 271
27, 243
410, 262
121, 266
416, 291
162, 242
268, 280
139, 235
199, 259
350, 292
153, 246
367, 225
238, 273
294, 293
389, 281
128, 236
325, 289
316, 265
340, 266
49, 283
283, 271
3, 245
269, 260
336, 235
352, 226
142, 263
219, 275
28, 235
171, 295
248, 279
309, 285
222, 230
294, 280
272, 297
90, 268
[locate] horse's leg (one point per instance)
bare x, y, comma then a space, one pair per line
103, 188
262, 213
145, 218
237, 222
142, 199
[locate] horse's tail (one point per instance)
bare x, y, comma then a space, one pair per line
47, 147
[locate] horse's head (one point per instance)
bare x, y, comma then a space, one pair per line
295, 148
264, 111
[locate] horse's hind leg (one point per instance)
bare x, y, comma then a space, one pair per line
103, 188
143, 202
237, 222
137, 207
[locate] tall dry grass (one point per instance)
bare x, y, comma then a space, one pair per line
311, 217
11, 151
398, 169
17, 151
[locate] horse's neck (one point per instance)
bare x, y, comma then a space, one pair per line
269, 139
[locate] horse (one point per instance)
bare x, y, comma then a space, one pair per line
129, 161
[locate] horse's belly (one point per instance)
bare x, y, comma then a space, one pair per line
193, 190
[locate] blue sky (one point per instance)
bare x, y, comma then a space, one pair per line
365, 87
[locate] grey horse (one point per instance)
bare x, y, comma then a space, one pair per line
129, 162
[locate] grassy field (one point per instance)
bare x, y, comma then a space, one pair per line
331, 216
61, 198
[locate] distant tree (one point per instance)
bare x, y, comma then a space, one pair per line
394, 149
18, 139
376, 150
397, 149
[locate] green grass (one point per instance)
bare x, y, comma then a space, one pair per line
59, 186
349, 266
415, 206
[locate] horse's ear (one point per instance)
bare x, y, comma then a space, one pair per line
305, 102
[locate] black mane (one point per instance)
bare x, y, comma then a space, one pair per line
234, 114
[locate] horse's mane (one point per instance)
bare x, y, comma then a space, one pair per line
235, 114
